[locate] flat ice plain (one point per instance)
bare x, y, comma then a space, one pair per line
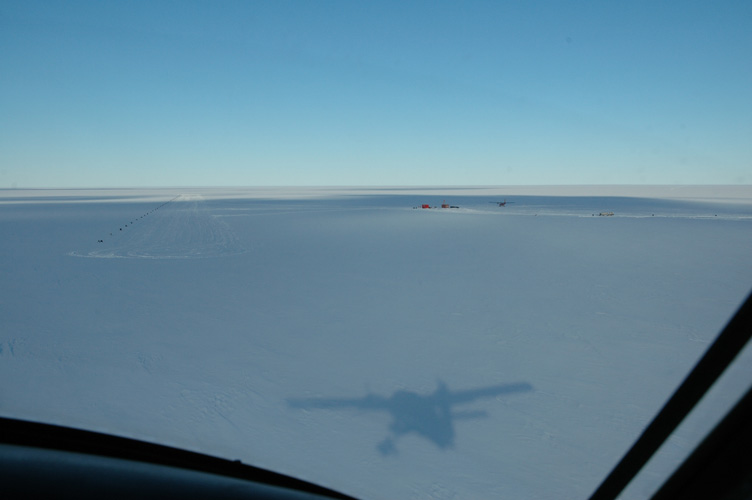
345, 337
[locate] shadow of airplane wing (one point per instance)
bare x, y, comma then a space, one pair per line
466, 396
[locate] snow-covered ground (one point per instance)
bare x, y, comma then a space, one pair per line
348, 338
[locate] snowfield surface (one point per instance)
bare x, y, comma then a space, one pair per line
347, 338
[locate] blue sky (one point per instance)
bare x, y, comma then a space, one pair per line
185, 93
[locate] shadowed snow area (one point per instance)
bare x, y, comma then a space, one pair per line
351, 338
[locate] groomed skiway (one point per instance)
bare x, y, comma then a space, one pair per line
181, 228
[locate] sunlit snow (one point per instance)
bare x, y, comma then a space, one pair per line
353, 339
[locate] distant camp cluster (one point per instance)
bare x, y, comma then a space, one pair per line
501, 204
142, 216
443, 205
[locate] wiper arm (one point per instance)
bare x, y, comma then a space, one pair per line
717, 358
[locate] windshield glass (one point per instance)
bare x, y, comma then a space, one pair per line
424, 250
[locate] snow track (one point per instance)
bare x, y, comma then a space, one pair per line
183, 228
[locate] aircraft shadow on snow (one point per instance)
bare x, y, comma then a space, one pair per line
431, 416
